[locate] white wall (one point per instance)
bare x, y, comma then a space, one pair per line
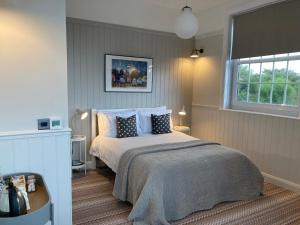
33, 66
33, 72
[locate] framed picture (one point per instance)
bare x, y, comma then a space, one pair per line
128, 74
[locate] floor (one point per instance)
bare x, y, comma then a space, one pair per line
93, 204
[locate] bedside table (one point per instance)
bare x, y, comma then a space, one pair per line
183, 129
81, 162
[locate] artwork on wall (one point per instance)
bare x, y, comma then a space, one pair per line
128, 74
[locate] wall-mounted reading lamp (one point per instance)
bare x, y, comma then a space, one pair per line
196, 53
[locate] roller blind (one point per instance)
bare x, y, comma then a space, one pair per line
269, 30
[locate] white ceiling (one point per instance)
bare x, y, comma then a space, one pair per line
157, 14
197, 5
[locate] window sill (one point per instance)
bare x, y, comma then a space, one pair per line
260, 113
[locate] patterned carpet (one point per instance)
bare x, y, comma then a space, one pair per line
94, 204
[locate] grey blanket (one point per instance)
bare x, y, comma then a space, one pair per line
170, 181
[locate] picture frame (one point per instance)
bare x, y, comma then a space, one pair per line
128, 73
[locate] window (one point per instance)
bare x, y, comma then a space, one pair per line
258, 77
268, 84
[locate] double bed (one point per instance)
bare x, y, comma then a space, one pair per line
110, 149
169, 176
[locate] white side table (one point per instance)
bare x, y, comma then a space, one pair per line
183, 129
81, 163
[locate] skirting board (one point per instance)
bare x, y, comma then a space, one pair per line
91, 165
282, 182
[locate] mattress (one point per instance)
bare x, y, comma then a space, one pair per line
110, 150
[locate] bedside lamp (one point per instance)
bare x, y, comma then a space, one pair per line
181, 114
79, 113
83, 114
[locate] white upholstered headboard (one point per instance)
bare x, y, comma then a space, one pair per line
94, 123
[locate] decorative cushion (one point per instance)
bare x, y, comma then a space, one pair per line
145, 118
160, 124
107, 121
126, 127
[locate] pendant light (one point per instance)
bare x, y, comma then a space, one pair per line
186, 25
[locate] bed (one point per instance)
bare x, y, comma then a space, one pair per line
169, 176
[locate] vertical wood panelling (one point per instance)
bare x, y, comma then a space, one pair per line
273, 143
47, 154
87, 44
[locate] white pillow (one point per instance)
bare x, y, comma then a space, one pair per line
145, 119
107, 122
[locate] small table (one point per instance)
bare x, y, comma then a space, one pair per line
81, 162
183, 129
41, 209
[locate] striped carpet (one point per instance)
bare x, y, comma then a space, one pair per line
94, 204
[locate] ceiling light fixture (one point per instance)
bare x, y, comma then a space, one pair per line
186, 25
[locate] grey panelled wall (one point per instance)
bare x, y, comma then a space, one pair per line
89, 41
273, 143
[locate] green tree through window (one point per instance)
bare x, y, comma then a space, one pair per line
273, 84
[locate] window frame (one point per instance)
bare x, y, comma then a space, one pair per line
285, 110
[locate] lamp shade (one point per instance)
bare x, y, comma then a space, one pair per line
186, 25
182, 112
83, 114
195, 53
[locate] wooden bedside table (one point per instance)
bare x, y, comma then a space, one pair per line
183, 129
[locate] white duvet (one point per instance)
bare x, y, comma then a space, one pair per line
110, 150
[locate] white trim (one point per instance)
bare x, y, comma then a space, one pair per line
281, 182
226, 67
32, 133
266, 108
273, 59
91, 164
213, 107
286, 110
210, 34
260, 113
205, 106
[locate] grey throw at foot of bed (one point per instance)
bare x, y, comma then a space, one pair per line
170, 181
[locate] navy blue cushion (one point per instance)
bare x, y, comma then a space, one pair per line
126, 127
160, 124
